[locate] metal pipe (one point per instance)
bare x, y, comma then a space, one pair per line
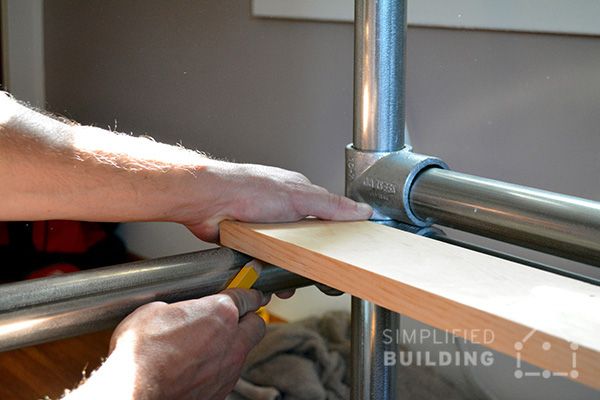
379, 74
54, 308
540, 220
371, 377
557, 224
379, 123
116, 278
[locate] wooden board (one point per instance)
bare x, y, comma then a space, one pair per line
445, 286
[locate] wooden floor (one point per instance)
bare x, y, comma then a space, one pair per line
47, 369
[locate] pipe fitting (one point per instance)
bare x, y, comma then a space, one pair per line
384, 180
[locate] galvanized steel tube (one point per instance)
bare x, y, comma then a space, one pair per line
379, 123
117, 278
372, 378
379, 75
557, 224
53, 308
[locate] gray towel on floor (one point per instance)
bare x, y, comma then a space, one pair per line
308, 360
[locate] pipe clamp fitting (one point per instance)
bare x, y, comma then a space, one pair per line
384, 180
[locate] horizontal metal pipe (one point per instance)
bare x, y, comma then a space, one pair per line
557, 224
54, 308
117, 277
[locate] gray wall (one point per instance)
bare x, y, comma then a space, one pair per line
518, 107
206, 74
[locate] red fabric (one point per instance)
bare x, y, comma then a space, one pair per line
66, 236
55, 269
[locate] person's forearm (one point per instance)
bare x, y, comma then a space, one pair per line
54, 170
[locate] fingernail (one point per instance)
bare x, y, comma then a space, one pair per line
365, 209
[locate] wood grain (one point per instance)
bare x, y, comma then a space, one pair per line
48, 369
448, 287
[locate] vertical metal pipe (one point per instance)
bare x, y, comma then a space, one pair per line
372, 379
379, 121
379, 74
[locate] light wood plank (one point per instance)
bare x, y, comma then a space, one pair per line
445, 286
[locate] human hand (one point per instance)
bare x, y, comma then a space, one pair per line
257, 193
106, 176
193, 349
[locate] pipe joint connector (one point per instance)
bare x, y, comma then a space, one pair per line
384, 180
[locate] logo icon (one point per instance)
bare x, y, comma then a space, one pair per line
546, 346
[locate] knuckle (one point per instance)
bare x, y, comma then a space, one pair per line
300, 178
175, 314
145, 319
149, 312
296, 181
335, 201
320, 189
161, 317
206, 230
152, 307
226, 310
